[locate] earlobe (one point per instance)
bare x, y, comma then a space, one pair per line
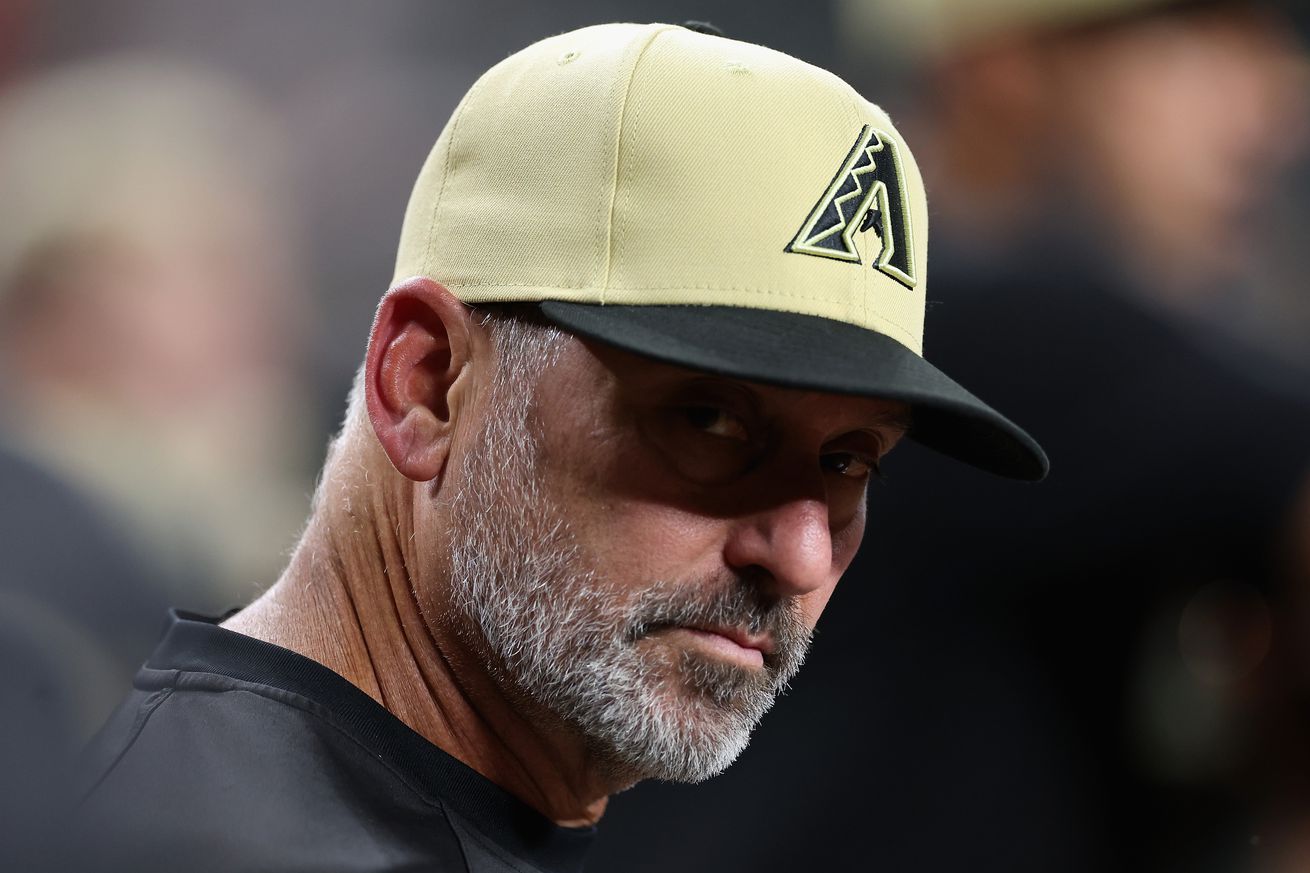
417, 351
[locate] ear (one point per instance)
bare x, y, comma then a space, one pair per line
418, 354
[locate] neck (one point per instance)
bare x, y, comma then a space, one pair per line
347, 601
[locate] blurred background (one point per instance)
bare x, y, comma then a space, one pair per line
199, 206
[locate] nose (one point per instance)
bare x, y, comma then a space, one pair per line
791, 542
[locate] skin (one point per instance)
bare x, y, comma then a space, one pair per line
663, 473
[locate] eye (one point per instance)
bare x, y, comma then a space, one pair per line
706, 431
851, 465
716, 421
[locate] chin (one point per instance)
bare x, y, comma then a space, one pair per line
687, 723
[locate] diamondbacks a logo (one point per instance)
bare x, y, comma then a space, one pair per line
867, 192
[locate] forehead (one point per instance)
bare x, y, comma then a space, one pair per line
595, 366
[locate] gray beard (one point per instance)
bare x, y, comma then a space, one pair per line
557, 636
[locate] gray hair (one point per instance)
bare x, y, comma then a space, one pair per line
525, 344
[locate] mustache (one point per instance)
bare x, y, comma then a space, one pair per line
738, 604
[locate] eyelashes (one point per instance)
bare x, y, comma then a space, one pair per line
724, 424
853, 465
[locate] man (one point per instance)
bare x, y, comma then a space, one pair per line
603, 466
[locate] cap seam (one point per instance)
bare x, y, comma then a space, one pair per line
618, 151
445, 173
685, 286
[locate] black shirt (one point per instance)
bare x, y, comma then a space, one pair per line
237, 755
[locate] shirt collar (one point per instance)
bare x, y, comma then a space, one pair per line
195, 643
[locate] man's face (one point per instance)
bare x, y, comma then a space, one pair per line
642, 550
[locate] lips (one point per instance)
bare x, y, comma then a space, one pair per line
761, 642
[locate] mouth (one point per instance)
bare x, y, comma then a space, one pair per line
727, 643
760, 642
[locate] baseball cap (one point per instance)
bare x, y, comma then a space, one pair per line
703, 202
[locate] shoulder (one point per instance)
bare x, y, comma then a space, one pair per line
214, 773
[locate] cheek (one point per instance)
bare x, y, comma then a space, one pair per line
845, 543
813, 604
846, 539
624, 512
636, 543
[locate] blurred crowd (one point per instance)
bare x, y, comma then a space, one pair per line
1108, 671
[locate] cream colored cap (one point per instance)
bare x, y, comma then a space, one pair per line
704, 201
650, 164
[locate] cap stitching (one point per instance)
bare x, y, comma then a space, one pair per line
679, 287
618, 147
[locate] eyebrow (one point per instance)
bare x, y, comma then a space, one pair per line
903, 420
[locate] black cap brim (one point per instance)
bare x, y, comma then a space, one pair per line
818, 354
